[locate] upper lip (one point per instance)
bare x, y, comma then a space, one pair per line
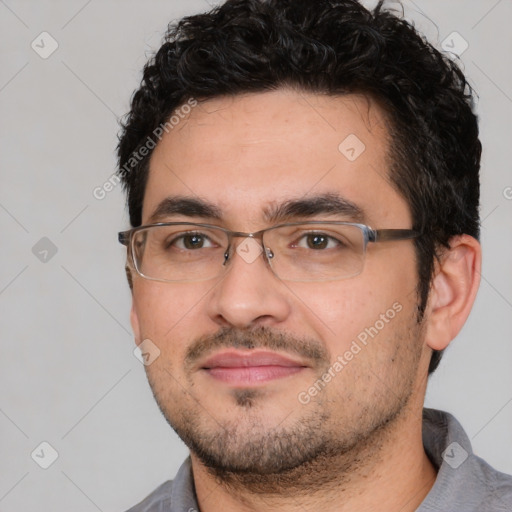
237, 359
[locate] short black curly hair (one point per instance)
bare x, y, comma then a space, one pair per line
330, 47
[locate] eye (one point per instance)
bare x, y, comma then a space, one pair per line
317, 241
191, 241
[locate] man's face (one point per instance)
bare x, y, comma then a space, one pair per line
244, 155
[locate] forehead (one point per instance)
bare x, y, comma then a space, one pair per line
250, 153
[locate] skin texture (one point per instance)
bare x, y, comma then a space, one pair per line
258, 446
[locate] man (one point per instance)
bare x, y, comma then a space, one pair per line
303, 188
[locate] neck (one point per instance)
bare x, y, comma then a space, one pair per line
388, 472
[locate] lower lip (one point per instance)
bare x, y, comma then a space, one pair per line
251, 374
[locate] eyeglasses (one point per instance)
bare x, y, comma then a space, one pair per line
299, 251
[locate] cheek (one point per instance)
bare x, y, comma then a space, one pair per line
165, 310
337, 312
361, 308
370, 336
168, 316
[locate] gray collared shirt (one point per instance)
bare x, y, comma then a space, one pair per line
464, 483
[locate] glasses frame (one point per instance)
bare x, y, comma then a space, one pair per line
369, 235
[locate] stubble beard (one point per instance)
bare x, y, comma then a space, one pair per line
317, 448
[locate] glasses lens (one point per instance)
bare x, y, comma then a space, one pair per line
316, 252
180, 252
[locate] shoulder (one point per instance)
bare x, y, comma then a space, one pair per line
464, 480
496, 487
176, 495
158, 500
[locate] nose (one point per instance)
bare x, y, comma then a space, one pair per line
248, 293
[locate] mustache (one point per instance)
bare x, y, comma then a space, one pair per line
261, 337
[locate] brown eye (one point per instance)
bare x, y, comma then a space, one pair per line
317, 241
191, 241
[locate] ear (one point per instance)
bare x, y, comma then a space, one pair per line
453, 290
134, 321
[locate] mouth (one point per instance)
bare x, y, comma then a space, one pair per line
245, 368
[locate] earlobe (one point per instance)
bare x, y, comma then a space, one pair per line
453, 290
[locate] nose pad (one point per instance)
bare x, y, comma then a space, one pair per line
249, 252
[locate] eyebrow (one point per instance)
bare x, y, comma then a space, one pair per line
305, 207
186, 206
323, 204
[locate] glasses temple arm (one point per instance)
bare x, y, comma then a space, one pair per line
382, 235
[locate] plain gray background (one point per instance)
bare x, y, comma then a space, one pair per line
68, 373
